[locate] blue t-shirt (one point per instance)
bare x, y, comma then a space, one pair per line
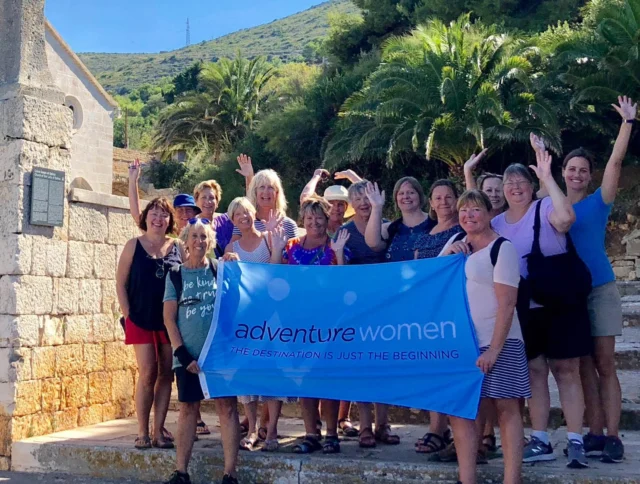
195, 308
587, 234
361, 253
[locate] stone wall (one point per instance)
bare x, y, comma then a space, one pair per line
627, 266
63, 362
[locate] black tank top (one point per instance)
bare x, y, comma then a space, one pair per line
145, 287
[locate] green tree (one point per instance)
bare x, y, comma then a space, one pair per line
441, 93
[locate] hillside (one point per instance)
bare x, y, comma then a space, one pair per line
285, 38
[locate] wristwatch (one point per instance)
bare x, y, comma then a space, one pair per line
630, 121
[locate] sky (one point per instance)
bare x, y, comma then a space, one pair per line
151, 26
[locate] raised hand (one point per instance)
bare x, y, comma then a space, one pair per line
321, 173
134, 170
376, 198
472, 163
246, 168
347, 175
542, 168
278, 239
537, 142
275, 220
626, 108
342, 238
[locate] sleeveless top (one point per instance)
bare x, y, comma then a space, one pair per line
430, 245
402, 246
146, 284
259, 254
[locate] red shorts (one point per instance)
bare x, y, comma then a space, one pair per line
135, 335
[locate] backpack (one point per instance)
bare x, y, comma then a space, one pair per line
176, 277
524, 291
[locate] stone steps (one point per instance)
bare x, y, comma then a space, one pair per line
106, 450
629, 288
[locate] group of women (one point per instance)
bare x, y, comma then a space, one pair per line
517, 241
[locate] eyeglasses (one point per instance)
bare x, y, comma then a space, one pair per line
516, 184
205, 221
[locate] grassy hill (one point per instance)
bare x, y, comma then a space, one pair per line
285, 38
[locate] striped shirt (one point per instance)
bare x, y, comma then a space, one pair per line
290, 228
259, 254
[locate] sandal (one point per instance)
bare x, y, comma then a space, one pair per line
346, 428
142, 442
491, 446
162, 444
366, 438
244, 429
270, 445
331, 445
383, 434
262, 433
248, 443
430, 444
202, 428
307, 446
166, 435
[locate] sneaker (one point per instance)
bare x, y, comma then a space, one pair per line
576, 458
179, 478
227, 479
536, 451
613, 450
593, 445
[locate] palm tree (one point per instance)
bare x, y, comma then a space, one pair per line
442, 92
227, 104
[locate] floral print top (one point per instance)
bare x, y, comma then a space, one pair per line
295, 254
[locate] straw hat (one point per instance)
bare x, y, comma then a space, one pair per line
339, 193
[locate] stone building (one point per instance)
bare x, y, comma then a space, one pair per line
93, 113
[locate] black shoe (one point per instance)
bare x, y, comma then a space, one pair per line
613, 450
179, 478
227, 479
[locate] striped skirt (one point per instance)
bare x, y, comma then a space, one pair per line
509, 377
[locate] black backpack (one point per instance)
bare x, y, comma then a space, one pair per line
524, 291
176, 277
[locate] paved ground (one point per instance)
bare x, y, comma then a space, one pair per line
22, 478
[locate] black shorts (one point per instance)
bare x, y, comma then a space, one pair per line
558, 333
189, 389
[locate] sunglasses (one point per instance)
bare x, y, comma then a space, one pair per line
194, 220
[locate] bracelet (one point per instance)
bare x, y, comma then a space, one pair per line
183, 356
630, 121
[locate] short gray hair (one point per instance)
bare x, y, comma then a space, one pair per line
357, 189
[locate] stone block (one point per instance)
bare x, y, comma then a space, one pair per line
28, 397
103, 328
74, 392
77, 329
60, 159
99, 388
37, 120
52, 331
105, 261
12, 214
121, 385
88, 223
65, 296
90, 415
118, 356
633, 247
93, 357
5, 435
43, 362
15, 256
51, 395
20, 369
19, 331
41, 424
121, 227
110, 303
65, 420
89, 296
39, 255
56, 258
26, 295
18, 157
116, 410
623, 272
7, 398
80, 260
21, 428
69, 360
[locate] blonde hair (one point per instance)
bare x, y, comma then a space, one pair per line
271, 178
213, 185
240, 202
475, 198
208, 229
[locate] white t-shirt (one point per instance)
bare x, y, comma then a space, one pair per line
481, 276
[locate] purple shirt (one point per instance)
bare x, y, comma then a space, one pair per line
520, 233
224, 229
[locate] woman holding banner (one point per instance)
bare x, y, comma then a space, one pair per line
493, 276
315, 248
189, 297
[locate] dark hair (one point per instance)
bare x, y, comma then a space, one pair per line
315, 204
161, 203
441, 183
579, 153
523, 171
474, 197
415, 184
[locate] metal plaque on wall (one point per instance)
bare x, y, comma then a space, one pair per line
47, 197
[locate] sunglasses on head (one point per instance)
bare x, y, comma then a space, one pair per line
194, 220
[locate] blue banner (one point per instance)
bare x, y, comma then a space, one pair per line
396, 333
